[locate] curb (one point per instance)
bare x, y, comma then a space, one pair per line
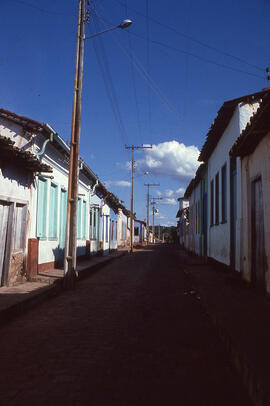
56, 288
237, 358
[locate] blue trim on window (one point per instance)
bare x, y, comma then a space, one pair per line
79, 219
84, 219
53, 210
42, 208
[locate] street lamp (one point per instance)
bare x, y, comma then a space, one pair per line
73, 176
124, 24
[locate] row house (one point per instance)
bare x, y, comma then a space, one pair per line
34, 165
19, 170
197, 196
253, 149
183, 222
218, 194
123, 237
139, 232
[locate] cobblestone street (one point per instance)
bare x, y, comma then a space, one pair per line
127, 336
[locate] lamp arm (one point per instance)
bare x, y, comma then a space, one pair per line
102, 32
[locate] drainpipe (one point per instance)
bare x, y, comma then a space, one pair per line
93, 191
42, 150
105, 198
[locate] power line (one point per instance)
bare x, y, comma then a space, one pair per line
147, 208
149, 80
144, 74
197, 56
109, 86
133, 147
134, 86
148, 62
43, 10
192, 38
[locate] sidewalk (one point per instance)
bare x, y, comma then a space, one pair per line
15, 300
242, 318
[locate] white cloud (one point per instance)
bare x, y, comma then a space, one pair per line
161, 216
171, 159
120, 183
180, 191
168, 200
169, 192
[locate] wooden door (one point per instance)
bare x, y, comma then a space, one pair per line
4, 211
204, 224
233, 206
257, 227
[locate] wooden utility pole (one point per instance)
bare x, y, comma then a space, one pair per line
132, 147
153, 202
147, 225
72, 202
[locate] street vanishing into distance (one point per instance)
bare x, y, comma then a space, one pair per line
128, 335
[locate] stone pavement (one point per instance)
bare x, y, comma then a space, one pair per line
126, 336
242, 317
15, 300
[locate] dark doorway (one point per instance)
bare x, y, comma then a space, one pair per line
257, 229
233, 207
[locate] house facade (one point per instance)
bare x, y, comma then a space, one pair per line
19, 168
139, 231
122, 236
220, 225
224, 179
253, 149
33, 201
183, 222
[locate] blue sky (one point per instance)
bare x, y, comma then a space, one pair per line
160, 82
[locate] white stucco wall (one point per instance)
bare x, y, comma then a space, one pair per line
219, 235
106, 244
56, 160
95, 244
122, 229
254, 165
114, 224
15, 132
15, 182
193, 230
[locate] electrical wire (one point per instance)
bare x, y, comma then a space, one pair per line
149, 80
25, 3
134, 87
186, 97
148, 64
197, 56
109, 86
191, 38
145, 76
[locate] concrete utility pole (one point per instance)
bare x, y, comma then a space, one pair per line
153, 202
132, 147
71, 224
147, 224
